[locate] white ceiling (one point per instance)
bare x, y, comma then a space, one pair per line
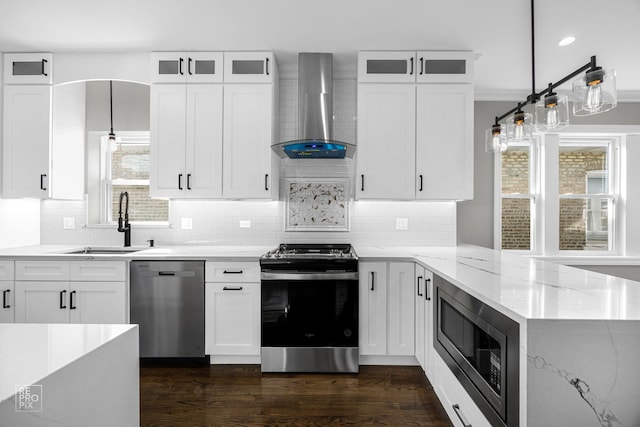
498, 31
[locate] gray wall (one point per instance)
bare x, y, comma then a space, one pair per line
475, 217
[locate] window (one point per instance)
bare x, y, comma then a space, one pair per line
558, 195
517, 198
586, 197
124, 166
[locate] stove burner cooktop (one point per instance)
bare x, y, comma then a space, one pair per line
306, 251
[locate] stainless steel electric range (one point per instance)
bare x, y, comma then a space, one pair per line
310, 308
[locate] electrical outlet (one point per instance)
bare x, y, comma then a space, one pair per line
69, 223
187, 223
245, 223
402, 223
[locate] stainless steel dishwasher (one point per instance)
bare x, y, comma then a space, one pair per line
167, 301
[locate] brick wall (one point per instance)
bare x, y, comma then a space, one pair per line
516, 213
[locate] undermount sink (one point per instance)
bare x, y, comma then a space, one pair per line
104, 251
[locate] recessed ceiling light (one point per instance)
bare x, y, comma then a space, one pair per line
566, 41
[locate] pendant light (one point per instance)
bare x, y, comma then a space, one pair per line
593, 93
112, 136
496, 138
552, 111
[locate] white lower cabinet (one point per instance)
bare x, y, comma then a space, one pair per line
50, 294
7, 289
232, 319
386, 309
460, 408
424, 319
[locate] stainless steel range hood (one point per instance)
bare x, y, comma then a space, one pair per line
315, 112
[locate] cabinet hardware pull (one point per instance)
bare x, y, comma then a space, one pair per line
5, 298
411, 72
267, 66
456, 408
44, 61
362, 185
180, 67
419, 278
62, 298
420, 182
179, 181
232, 288
232, 272
266, 182
422, 66
188, 181
189, 66
426, 290
166, 273
71, 306
42, 177
373, 275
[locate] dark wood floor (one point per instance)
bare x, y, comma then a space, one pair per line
239, 395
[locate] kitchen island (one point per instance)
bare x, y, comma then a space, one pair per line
57, 374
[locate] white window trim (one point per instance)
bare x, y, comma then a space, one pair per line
545, 191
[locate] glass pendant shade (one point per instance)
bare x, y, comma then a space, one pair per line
595, 92
495, 139
519, 127
552, 112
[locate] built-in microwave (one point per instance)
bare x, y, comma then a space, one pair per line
481, 347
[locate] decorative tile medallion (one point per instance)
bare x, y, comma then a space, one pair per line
317, 204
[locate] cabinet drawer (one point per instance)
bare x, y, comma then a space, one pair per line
455, 399
232, 271
42, 270
6, 270
97, 271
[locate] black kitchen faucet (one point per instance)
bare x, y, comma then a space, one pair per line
124, 227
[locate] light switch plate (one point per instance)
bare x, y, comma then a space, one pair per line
245, 223
187, 223
69, 223
402, 223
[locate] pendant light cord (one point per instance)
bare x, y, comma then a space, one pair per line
533, 97
111, 103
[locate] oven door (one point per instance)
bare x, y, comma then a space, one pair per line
302, 310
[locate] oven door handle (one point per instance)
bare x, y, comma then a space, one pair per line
353, 275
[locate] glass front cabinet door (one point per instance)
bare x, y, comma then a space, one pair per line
186, 67
249, 67
28, 68
387, 67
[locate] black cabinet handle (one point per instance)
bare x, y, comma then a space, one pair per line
179, 181
267, 66
188, 181
232, 288
44, 73
266, 182
62, 300
419, 278
426, 290
42, 177
373, 276
166, 273
456, 409
420, 182
232, 272
421, 66
189, 66
362, 183
71, 306
180, 66
5, 298
411, 72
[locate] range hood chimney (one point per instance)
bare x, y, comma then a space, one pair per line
315, 112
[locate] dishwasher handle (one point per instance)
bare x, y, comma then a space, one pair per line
166, 273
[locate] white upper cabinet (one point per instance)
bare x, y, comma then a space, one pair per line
28, 68
250, 168
444, 67
249, 67
183, 67
444, 142
26, 141
387, 67
386, 141
186, 141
